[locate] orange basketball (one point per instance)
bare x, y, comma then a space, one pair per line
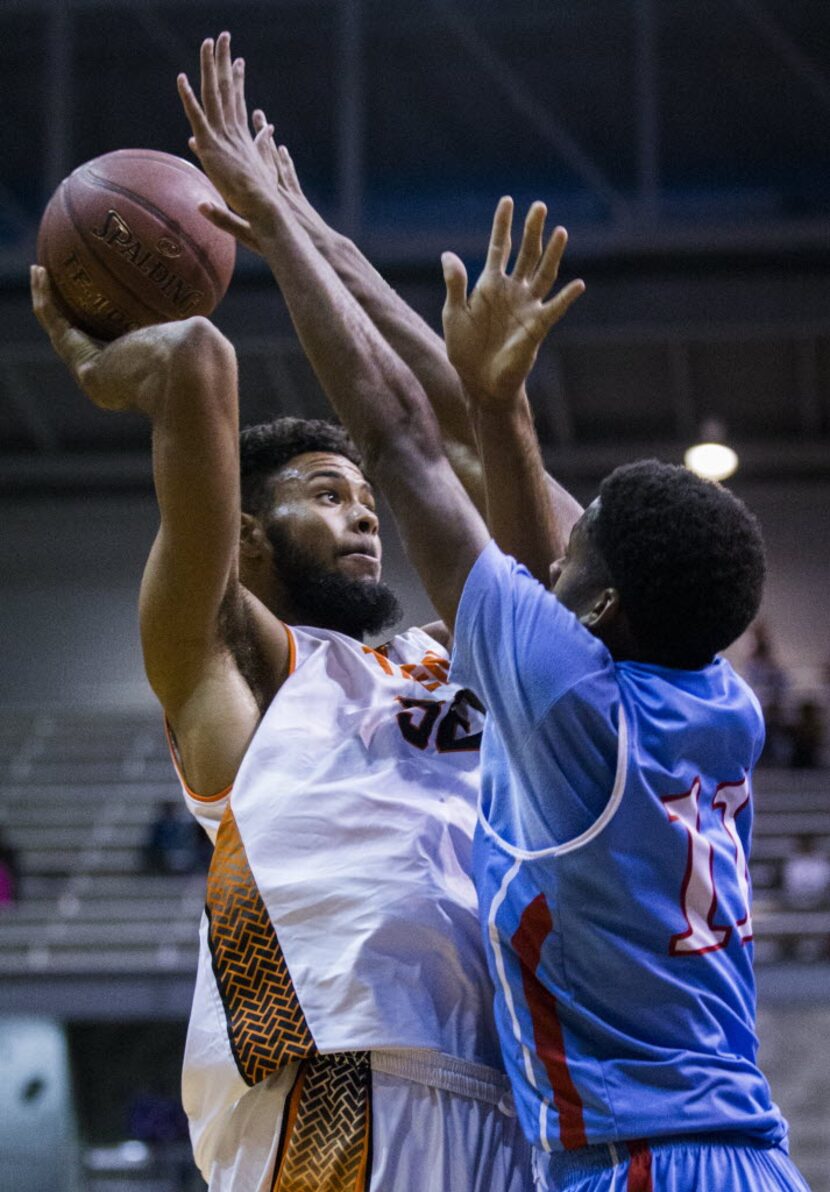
125, 245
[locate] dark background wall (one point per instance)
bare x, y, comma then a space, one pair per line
682, 142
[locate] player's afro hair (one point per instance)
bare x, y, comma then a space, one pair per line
266, 448
686, 556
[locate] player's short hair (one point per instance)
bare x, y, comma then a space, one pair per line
686, 557
269, 446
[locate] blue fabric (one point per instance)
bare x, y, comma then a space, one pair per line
553, 698
610, 863
674, 1167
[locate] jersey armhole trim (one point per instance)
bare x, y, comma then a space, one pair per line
177, 765
591, 833
292, 649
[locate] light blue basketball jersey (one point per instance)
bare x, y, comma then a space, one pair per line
611, 867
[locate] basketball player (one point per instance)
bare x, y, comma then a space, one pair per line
611, 853
342, 1034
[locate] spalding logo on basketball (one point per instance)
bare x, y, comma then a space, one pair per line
126, 246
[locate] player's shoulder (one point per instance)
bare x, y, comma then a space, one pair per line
437, 633
731, 689
418, 642
743, 698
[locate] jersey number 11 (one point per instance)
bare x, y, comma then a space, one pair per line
698, 893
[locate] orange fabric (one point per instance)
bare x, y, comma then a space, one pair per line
384, 663
326, 1138
289, 1121
292, 648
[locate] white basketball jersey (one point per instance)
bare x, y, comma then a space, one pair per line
340, 911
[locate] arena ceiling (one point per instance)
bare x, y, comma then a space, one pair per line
683, 142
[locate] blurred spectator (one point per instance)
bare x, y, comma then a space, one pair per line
173, 842
9, 873
158, 1120
807, 733
155, 1117
778, 746
762, 671
805, 878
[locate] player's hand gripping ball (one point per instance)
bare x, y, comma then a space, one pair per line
125, 245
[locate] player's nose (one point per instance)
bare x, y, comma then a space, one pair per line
365, 520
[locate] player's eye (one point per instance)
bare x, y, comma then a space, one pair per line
329, 495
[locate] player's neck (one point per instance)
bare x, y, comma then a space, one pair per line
293, 612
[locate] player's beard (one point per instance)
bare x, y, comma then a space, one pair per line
327, 599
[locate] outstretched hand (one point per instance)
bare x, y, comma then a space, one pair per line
240, 164
493, 336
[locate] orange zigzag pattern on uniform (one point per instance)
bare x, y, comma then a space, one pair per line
266, 1026
326, 1136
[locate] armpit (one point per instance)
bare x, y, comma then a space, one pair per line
240, 634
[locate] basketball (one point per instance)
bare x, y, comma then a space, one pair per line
125, 245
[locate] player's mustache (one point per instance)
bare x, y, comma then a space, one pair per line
361, 546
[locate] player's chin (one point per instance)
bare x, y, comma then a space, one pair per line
358, 566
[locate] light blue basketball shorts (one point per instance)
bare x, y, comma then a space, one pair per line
703, 1163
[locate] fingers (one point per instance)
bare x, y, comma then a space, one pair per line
73, 346
530, 249
192, 109
227, 221
240, 107
225, 81
499, 248
288, 171
230, 83
264, 144
264, 140
548, 268
455, 279
211, 101
558, 306
43, 304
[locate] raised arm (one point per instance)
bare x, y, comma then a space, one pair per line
182, 376
402, 327
492, 339
404, 330
371, 388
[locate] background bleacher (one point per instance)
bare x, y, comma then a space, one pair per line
80, 790
79, 793
111, 951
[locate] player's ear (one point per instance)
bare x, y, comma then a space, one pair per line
253, 541
605, 609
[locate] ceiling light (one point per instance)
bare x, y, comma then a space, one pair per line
711, 458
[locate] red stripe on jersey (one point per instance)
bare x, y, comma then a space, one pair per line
639, 1169
535, 925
